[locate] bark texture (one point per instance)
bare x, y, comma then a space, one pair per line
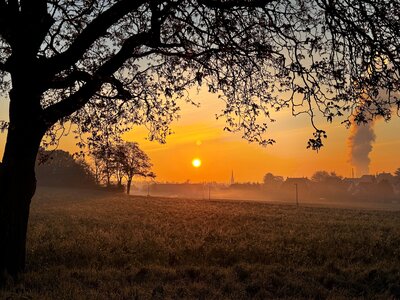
18, 185
17, 176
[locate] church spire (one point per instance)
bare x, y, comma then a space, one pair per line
232, 178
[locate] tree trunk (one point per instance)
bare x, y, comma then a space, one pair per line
18, 182
17, 187
108, 176
128, 185
26, 129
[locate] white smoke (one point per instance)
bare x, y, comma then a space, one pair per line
360, 146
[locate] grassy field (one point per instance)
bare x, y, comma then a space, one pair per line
94, 245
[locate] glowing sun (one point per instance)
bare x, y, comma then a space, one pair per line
196, 162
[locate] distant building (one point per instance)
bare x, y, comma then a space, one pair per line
232, 179
367, 179
385, 177
350, 180
301, 182
297, 180
295, 188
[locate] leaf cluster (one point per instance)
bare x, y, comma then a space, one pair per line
126, 63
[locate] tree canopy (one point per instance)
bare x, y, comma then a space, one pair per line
119, 160
60, 168
128, 62
271, 179
324, 176
132, 161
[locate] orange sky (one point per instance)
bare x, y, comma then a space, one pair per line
198, 134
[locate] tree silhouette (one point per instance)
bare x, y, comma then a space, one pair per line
60, 168
124, 62
103, 163
119, 160
271, 179
324, 176
132, 161
101, 145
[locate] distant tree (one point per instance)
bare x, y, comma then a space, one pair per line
97, 168
59, 168
324, 176
271, 179
397, 173
132, 161
102, 148
128, 62
103, 163
116, 160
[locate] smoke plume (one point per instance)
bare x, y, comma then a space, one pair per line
360, 145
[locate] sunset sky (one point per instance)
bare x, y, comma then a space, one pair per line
198, 135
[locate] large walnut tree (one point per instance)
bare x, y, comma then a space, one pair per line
124, 62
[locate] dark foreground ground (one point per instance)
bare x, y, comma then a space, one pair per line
94, 245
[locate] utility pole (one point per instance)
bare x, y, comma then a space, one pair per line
209, 192
148, 186
297, 194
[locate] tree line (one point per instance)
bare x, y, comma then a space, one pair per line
109, 166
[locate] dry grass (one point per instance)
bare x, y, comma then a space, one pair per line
85, 245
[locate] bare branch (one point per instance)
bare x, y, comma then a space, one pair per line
13, 6
74, 102
5, 17
123, 93
235, 3
97, 28
3, 67
65, 82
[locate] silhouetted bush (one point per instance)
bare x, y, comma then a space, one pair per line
59, 168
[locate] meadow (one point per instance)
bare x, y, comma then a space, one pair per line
97, 245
